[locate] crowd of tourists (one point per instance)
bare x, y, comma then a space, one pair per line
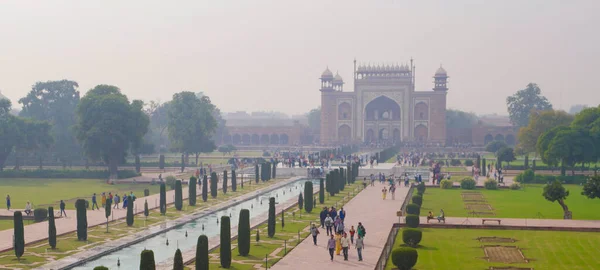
341, 238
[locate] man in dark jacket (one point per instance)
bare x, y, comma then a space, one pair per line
322, 216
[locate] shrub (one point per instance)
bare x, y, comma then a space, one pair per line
421, 188
515, 186
19, 234
527, 176
205, 188
468, 183
192, 186
490, 184
163, 199
244, 232
178, 195
446, 184
404, 258
40, 214
147, 260
455, 162
412, 221
225, 248
469, 162
101, 268
413, 209
417, 199
411, 236
51, 228
202, 253
308, 201
178, 260
170, 180
321, 191
271, 220
81, 219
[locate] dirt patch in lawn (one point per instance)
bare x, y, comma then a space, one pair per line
472, 197
504, 254
495, 239
478, 207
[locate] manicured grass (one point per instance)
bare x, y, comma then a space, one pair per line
524, 203
459, 249
454, 169
48, 192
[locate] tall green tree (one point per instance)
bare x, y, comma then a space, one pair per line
556, 192
51, 228
147, 260
130, 217
460, 119
205, 188
192, 191
108, 125
178, 261
178, 195
523, 102
589, 120
494, 146
505, 154
55, 102
308, 194
225, 247
271, 218
233, 181
539, 122
191, 124
244, 232
566, 146
213, 184
81, 219
314, 120
202, 253
19, 235
163, 199
321, 191
225, 182
591, 189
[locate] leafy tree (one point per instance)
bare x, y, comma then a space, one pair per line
81, 219
19, 235
505, 154
591, 189
494, 146
178, 261
314, 120
460, 119
191, 124
108, 125
523, 102
589, 120
227, 149
147, 260
178, 195
575, 109
51, 228
225, 247
55, 102
192, 191
244, 232
539, 122
159, 121
271, 220
567, 146
202, 253
555, 192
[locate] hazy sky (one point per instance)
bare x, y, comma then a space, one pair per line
267, 55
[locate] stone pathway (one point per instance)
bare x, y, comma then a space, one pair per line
376, 215
517, 222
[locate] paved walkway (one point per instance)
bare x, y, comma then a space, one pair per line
376, 215
39, 231
517, 222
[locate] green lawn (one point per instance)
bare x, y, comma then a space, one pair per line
524, 203
454, 169
48, 192
459, 249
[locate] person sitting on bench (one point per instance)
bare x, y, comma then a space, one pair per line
441, 216
28, 208
429, 216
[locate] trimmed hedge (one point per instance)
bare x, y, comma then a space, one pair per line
202, 253
101, 268
417, 199
412, 221
446, 184
40, 214
80, 174
413, 209
129, 216
244, 232
233, 181
468, 183
225, 247
421, 188
147, 260
213, 185
411, 236
469, 162
490, 184
224, 188
404, 258
300, 201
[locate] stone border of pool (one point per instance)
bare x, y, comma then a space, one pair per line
102, 250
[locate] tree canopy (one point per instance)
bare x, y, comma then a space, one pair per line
494, 146
567, 146
191, 123
505, 154
523, 102
108, 125
556, 192
314, 119
591, 188
539, 122
460, 119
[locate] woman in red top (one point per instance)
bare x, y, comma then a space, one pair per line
352, 231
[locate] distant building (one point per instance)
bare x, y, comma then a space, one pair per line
383, 107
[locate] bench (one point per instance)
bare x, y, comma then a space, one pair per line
439, 219
489, 219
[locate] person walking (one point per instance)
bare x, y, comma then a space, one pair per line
331, 247
361, 230
116, 201
352, 232
62, 208
393, 191
359, 247
323, 216
125, 199
383, 193
342, 214
328, 224
7, 202
314, 231
94, 202
345, 245
338, 244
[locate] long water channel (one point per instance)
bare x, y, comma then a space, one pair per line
129, 256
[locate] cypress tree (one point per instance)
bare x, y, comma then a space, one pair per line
257, 236
138, 166
478, 164
178, 261
51, 228
202, 253
526, 162
225, 248
81, 220
161, 162
321, 191
308, 201
349, 175
147, 260
314, 202
483, 167
192, 191
300, 201
107, 209
163, 199
244, 232
205, 188
256, 173
342, 179
213, 185
271, 221
533, 165
329, 184
146, 212
129, 211
274, 175
19, 234
178, 195
224, 182
233, 181
182, 163
282, 219
336, 181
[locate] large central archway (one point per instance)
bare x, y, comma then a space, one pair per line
382, 108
